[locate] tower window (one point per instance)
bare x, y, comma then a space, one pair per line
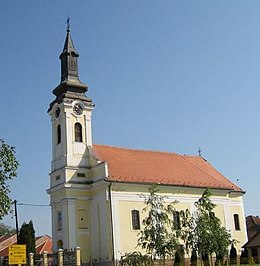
78, 132
59, 217
72, 65
236, 222
135, 219
58, 134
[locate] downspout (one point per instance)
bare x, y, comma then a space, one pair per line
111, 220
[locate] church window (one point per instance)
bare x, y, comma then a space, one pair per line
58, 134
59, 220
176, 220
135, 219
212, 215
78, 132
60, 244
236, 222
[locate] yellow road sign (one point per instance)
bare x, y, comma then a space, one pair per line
17, 254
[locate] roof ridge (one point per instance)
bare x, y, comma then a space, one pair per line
145, 150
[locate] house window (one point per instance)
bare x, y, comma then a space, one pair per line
236, 222
78, 132
58, 134
176, 220
135, 219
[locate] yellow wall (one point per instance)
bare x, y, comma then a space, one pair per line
129, 197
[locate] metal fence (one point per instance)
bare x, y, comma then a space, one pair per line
69, 258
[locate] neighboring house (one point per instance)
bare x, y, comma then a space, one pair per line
96, 191
253, 233
42, 243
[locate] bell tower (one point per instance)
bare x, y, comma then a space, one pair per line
70, 114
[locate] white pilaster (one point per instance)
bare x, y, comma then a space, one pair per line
71, 203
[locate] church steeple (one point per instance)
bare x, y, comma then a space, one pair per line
69, 60
70, 82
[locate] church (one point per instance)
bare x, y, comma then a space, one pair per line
95, 190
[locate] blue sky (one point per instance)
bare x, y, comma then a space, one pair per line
164, 75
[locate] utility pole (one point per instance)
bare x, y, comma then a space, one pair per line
16, 219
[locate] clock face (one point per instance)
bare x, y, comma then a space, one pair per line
57, 112
77, 109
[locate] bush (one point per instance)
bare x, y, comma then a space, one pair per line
136, 259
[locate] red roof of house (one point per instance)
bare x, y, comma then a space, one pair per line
42, 243
4, 252
142, 166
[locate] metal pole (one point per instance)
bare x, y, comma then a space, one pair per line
16, 219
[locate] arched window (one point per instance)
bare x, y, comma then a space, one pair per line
236, 222
78, 132
59, 216
135, 219
60, 244
176, 220
58, 134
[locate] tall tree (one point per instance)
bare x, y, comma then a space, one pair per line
210, 237
27, 236
8, 171
157, 236
6, 230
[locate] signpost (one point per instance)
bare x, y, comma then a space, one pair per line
17, 254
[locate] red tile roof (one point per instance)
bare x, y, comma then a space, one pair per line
42, 243
4, 252
141, 166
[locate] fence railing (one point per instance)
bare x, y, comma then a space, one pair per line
61, 258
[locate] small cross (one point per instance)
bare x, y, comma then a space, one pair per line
68, 22
199, 151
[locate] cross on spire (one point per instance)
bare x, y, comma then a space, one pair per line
68, 23
199, 151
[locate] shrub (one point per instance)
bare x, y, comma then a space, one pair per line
136, 259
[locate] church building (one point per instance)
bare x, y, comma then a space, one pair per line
96, 190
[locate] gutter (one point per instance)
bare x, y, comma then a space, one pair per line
229, 190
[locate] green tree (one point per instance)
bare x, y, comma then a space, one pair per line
157, 236
210, 237
8, 171
6, 230
186, 232
27, 236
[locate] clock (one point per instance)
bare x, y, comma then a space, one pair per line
77, 109
57, 112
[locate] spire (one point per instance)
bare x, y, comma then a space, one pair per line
70, 87
69, 68
69, 60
